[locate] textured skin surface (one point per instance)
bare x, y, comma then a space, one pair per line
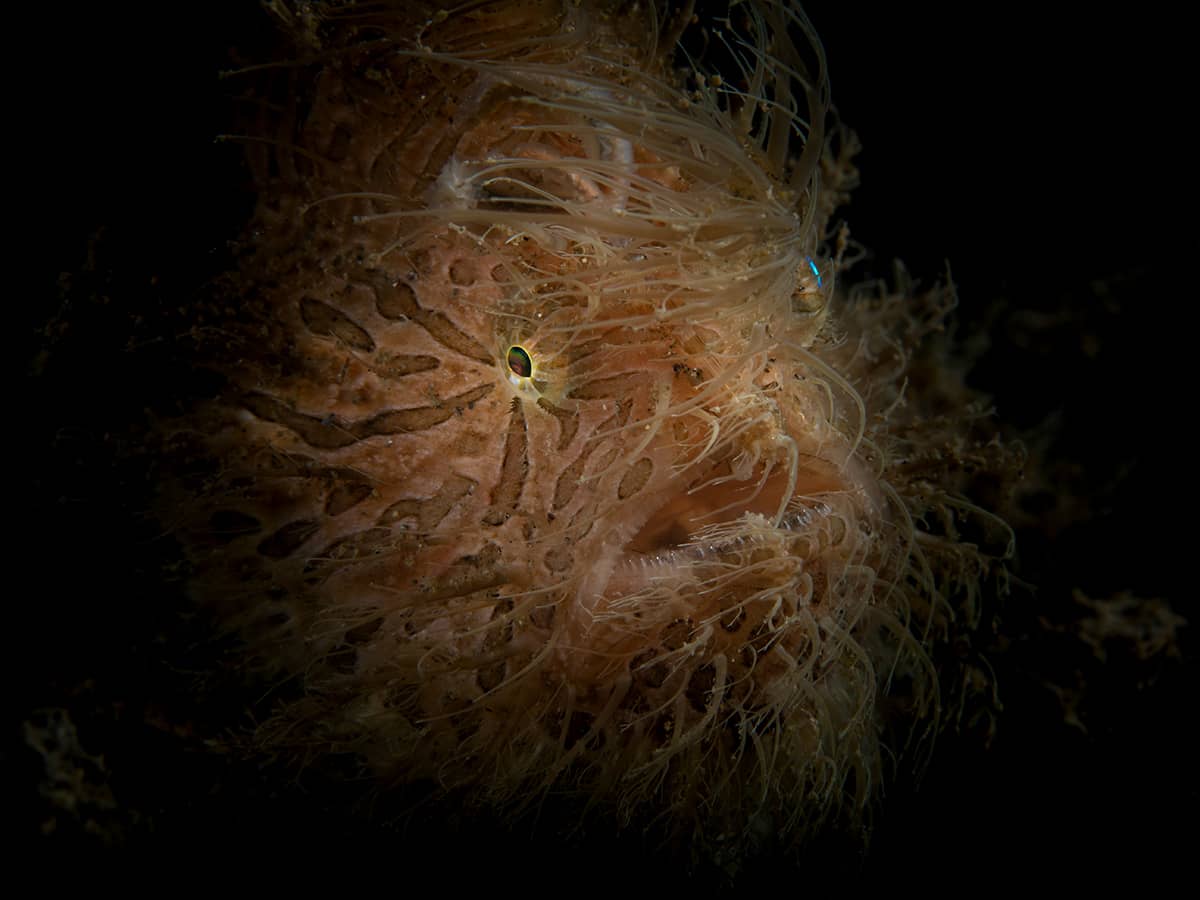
671, 570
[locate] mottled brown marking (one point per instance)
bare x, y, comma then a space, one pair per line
610, 456
748, 657
568, 481
648, 671
559, 559
498, 636
399, 301
429, 512
288, 539
399, 421
400, 510
404, 421
462, 272
578, 728
397, 365
346, 494
700, 687
362, 634
616, 386
331, 432
513, 470
359, 545
396, 301
446, 333
327, 434
490, 677
635, 479
431, 95
568, 422
732, 619
343, 660
676, 634
451, 493
542, 616
476, 572
763, 638
286, 464
587, 348
321, 318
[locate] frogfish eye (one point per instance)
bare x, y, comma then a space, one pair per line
519, 362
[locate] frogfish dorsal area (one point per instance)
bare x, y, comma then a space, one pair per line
552, 457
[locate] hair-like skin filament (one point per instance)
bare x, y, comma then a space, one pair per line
670, 557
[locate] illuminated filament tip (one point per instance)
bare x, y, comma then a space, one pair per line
816, 272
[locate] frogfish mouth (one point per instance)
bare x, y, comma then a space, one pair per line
548, 455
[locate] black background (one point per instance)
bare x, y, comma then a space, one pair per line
1038, 152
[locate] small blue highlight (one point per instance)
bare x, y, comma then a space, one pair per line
816, 272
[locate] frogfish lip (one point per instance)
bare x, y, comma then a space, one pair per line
537, 471
670, 535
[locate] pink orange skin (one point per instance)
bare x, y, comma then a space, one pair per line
670, 557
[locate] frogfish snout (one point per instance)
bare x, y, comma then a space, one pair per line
549, 455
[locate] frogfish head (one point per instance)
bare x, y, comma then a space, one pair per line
550, 456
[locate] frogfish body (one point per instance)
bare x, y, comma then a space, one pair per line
550, 456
